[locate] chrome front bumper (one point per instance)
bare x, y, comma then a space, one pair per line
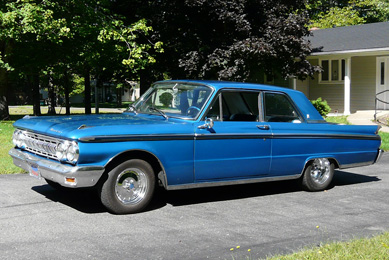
64, 174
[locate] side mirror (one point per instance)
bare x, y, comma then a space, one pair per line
208, 124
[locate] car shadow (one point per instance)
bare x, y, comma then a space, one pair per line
87, 201
343, 178
225, 193
83, 200
233, 192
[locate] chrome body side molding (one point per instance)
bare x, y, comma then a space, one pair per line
231, 182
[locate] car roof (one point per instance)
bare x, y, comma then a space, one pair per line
308, 110
231, 84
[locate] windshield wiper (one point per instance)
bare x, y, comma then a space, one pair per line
159, 111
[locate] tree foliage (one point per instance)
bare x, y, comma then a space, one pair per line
328, 14
122, 39
227, 39
72, 37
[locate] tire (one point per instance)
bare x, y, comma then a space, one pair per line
129, 187
318, 175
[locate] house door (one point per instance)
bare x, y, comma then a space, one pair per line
382, 82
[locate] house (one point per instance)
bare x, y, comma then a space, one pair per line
355, 63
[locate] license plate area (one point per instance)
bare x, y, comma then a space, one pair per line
34, 171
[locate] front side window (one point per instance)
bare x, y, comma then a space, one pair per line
179, 100
235, 106
278, 108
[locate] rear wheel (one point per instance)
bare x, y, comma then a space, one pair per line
318, 175
129, 187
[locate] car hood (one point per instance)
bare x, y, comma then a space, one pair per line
79, 126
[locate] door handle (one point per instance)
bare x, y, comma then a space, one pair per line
263, 127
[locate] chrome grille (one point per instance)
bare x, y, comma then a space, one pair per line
41, 145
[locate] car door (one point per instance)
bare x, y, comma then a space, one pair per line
291, 143
237, 145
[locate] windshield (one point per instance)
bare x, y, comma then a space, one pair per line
172, 99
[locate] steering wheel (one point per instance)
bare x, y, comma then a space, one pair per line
188, 111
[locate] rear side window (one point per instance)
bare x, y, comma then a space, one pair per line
278, 108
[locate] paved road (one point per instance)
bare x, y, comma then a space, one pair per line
37, 222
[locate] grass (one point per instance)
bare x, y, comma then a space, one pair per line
385, 141
6, 164
376, 248
125, 104
337, 120
343, 120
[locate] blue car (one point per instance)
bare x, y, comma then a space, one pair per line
189, 134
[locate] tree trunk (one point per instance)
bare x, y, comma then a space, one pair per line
4, 112
119, 92
35, 94
87, 93
97, 110
67, 92
145, 81
51, 96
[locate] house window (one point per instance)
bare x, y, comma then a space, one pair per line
325, 66
333, 71
382, 73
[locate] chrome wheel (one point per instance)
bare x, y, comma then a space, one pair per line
131, 186
318, 174
128, 188
321, 170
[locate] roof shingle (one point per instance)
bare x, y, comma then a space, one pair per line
350, 38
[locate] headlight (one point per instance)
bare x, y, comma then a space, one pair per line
72, 152
67, 151
61, 150
19, 139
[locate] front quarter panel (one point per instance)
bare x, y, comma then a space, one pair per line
175, 155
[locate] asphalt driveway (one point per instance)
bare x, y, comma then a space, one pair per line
37, 222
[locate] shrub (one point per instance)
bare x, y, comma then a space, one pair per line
321, 106
166, 99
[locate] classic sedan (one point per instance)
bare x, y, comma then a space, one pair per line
189, 134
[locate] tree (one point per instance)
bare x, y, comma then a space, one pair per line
328, 14
226, 39
82, 37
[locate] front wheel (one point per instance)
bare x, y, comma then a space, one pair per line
318, 175
129, 187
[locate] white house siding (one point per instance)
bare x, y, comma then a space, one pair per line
333, 93
363, 77
303, 86
363, 83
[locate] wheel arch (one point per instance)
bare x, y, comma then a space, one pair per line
309, 160
147, 156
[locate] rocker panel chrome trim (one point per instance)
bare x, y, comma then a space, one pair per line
231, 182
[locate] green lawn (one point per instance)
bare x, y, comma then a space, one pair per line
376, 248
6, 164
385, 141
338, 120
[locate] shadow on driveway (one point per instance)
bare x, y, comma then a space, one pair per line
87, 201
